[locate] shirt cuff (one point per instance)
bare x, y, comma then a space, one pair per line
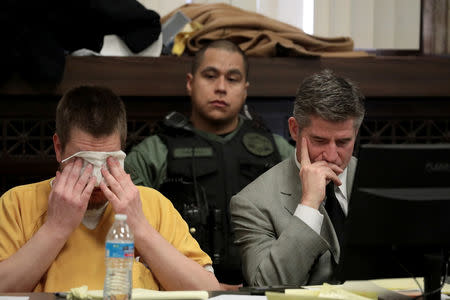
310, 216
209, 268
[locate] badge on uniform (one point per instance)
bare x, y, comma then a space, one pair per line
257, 144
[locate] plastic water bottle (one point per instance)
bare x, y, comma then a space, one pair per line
119, 261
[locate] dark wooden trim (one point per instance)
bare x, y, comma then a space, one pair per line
393, 52
378, 76
127, 76
32, 166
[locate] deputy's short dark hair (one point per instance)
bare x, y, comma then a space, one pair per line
219, 44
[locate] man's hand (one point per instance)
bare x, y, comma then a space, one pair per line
315, 176
69, 197
67, 204
173, 270
123, 194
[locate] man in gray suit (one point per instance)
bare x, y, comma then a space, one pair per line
285, 224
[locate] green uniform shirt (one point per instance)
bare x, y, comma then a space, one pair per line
147, 161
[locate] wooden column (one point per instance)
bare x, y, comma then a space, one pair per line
435, 27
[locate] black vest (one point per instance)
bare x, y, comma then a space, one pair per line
203, 175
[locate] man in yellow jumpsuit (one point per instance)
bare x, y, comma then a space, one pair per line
52, 233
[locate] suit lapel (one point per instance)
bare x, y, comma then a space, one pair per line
290, 186
351, 175
290, 193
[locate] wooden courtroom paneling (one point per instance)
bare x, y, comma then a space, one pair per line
407, 76
407, 100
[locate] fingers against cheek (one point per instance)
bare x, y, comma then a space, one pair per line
109, 194
113, 184
115, 168
110, 180
336, 169
304, 154
87, 192
74, 174
332, 176
64, 173
83, 180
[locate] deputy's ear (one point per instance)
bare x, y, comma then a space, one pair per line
58, 147
189, 79
293, 128
246, 89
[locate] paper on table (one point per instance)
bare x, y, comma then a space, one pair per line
238, 297
82, 293
331, 291
368, 286
14, 298
402, 284
283, 296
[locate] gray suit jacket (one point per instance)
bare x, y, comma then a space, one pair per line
277, 248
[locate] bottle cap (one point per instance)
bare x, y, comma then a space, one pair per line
120, 217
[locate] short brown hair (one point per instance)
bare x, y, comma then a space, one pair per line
92, 109
219, 44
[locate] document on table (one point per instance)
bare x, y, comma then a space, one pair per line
238, 297
14, 297
82, 293
368, 286
406, 284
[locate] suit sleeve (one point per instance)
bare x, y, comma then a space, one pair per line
276, 247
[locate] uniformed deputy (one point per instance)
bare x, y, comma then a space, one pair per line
199, 164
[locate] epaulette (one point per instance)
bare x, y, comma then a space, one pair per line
174, 123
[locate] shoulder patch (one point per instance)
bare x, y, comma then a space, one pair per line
257, 144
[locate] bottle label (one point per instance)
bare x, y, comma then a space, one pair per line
119, 250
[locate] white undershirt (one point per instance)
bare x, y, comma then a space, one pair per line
311, 216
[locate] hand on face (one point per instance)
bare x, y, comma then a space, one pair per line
122, 193
315, 176
69, 196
